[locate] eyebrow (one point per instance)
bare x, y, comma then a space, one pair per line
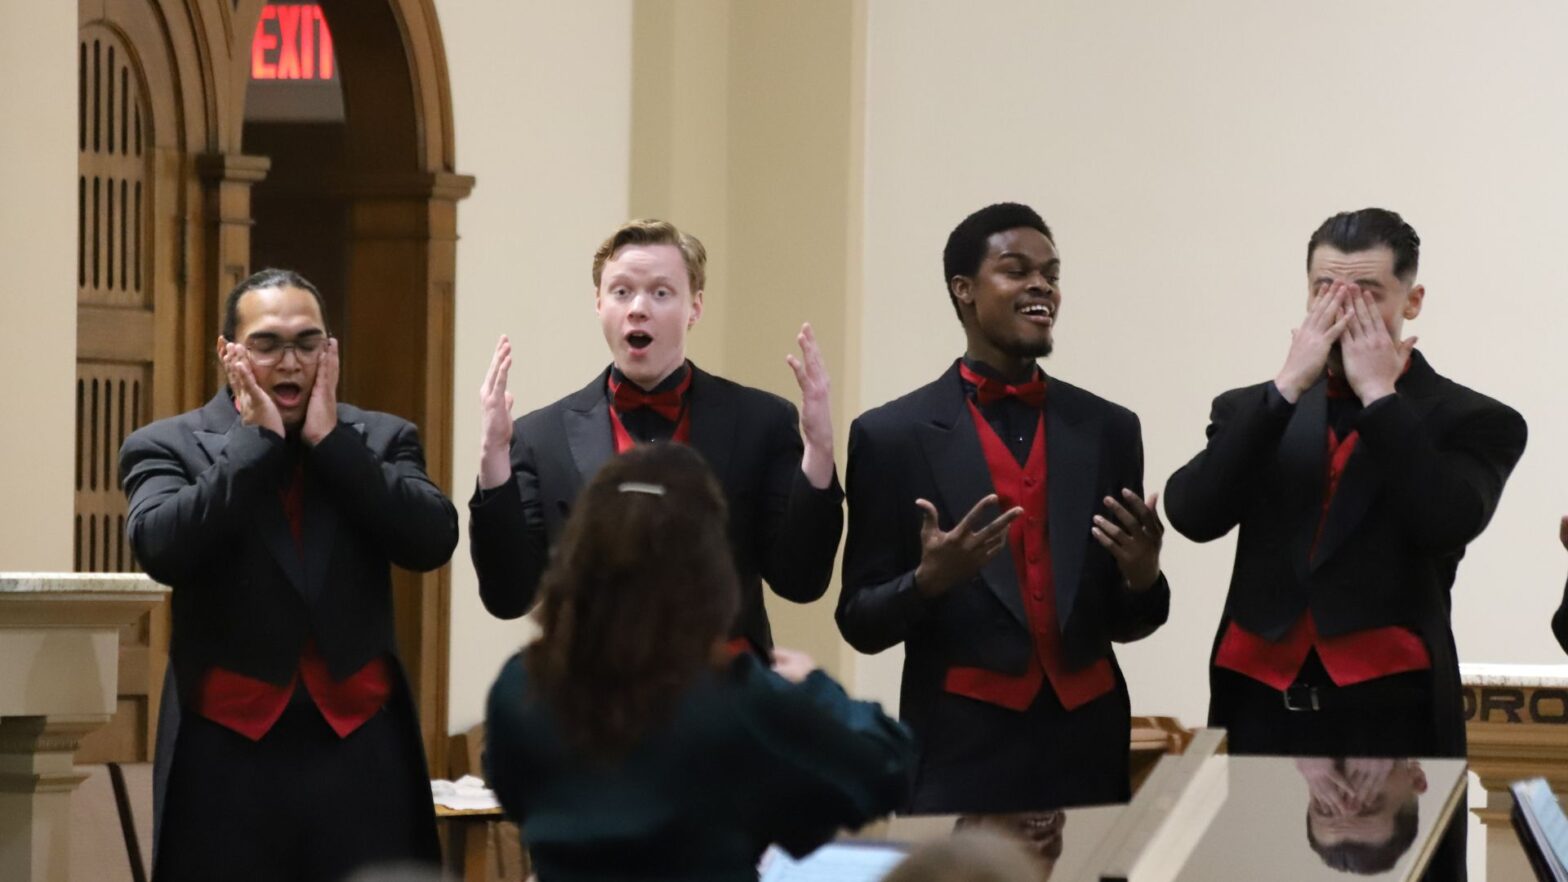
273, 335
1015, 255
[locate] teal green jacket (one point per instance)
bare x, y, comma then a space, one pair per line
745, 759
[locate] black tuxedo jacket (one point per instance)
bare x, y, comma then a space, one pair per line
924, 446
1560, 622
782, 529
1423, 482
206, 518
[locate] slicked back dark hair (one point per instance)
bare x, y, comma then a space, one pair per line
270, 277
1351, 231
966, 245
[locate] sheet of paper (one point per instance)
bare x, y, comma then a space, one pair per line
465, 794
834, 862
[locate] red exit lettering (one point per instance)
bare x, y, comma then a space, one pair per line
292, 42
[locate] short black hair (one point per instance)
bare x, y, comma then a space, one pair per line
1351, 231
966, 245
1367, 858
270, 277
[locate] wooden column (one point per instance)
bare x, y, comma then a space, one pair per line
398, 351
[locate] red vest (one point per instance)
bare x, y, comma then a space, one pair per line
251, 707
1028, 537
1349, 658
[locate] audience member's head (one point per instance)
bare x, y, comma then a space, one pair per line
640, 591
978, 854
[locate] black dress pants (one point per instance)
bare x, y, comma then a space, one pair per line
301, 804
981, 758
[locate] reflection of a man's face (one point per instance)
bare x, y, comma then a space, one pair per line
1372, 829
1040, 831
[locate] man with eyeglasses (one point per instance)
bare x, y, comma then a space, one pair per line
288, 746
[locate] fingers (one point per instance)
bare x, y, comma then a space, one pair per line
1147, 511
500, 362
1127, 520
928, 523
800, 371
815, 367
967, 525
996, 531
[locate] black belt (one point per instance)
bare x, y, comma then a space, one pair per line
1302, 697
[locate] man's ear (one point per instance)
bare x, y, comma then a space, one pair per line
963, 289
696, 309
1413, 302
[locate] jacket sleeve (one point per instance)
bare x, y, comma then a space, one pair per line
507, 538
801, 525
1560, 621
175, 517
878, 604
830, 762
389, 496
1204, 499
1138, 613
1447, 487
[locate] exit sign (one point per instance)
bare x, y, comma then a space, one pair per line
292, 42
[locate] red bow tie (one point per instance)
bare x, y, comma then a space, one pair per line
626, 397
988, 390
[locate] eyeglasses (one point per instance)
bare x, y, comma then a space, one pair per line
268, 351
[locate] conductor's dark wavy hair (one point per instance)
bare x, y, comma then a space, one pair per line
640, 590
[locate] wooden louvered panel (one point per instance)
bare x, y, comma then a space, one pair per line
111, 192
111, 402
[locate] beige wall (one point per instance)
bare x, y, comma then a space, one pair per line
541, 103
38, 308
1182, 154
744, 118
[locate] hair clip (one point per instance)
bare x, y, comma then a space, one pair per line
639, 487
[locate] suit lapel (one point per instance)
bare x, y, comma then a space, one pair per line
588, 434
1072, 461
319, 531
713, 422
218, 419
1301, 464
1360, 483
952, 449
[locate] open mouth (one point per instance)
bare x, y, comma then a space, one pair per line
1040, 313
287, 394
639, 340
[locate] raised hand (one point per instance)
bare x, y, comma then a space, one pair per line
1310, 344
792, 664
495, 411
256, 407
321, 412
1373, 361
953, 557
1134, 539
816, 410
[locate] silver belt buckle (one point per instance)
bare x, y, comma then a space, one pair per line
1301, 698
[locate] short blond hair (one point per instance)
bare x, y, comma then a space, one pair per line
651, 231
